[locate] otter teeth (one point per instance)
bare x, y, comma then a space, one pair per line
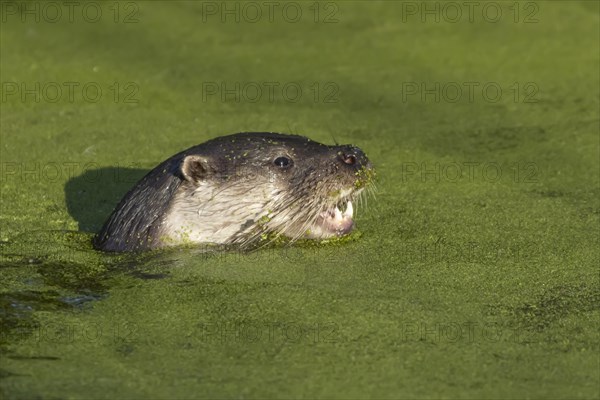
333, 221
349, 210
337, 213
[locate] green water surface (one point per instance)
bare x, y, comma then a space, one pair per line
473, 272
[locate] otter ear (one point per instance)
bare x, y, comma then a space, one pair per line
195, 168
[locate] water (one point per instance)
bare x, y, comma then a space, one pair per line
473, 273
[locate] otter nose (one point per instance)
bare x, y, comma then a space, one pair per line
352, 156
348, 158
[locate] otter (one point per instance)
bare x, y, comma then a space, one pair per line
238, 190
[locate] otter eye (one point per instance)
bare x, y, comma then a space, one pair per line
283, 162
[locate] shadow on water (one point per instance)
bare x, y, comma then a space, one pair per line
58, 270
93, 195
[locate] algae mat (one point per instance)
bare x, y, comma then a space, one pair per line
473, 273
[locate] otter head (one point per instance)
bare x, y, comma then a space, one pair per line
238, 189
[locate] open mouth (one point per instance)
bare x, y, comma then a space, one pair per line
338, 219
323, 218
